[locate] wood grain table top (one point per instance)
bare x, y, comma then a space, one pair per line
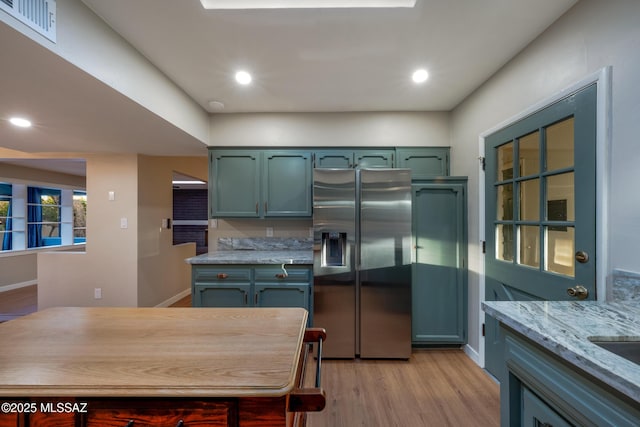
152, 352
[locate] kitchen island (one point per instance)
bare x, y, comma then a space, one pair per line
156, 366
556, 369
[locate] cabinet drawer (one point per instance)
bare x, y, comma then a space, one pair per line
274, 274
218, 274
161, 414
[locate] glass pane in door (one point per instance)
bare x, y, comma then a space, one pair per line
560, 250
504, 242
560, 197
505, 202
530, 200
505, 162
559, 145
529, 244
529, 154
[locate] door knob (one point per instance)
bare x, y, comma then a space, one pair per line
582, 257
578, 291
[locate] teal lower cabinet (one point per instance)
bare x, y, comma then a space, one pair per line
439, 275
252, 286
540, 389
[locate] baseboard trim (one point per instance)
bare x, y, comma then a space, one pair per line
18, 285
473, 355
175, 298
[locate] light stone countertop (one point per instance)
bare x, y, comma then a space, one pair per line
564, 328
254, 257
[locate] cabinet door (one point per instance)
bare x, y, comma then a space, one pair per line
536, 413
439, 295
424, 162
222, 295
287, 183
234, 183
373, 158
282, 295
341, 159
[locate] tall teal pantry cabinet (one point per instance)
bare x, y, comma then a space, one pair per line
439, 303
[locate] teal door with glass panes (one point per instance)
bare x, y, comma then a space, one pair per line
540, 186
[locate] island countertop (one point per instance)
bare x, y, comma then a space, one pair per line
152, 352
254, 257
565, 328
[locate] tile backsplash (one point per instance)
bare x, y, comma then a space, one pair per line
625, 286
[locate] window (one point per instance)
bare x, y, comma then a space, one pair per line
79, 216
34, 217
43, 212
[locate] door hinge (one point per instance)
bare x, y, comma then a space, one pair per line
483, 330
484, 247
483, 162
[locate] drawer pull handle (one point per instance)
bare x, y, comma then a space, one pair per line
222, 275
280, 275
130, 423
180, 424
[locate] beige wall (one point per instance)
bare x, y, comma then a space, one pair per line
136, 266
162, 272
110, 260
331, 129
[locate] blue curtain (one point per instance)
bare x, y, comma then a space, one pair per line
34, 215
5, 190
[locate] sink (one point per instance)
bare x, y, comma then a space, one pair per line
626, 348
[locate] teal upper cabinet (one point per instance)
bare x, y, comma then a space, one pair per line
234, 183
373, 158
257, 184
342, 159
287, 183
347, 158
424, 162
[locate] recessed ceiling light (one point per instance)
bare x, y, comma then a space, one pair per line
216, 106
243, 77
20, 122
420, 76
303, 4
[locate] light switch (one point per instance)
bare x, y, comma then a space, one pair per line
112, 195
124, 223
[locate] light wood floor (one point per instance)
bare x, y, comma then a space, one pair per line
434, 388
18, 302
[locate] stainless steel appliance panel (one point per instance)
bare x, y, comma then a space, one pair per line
385, 263
334, 250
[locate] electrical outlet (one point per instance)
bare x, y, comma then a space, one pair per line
311, 232
269, 231
97, 293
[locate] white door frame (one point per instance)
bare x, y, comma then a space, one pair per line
602, 78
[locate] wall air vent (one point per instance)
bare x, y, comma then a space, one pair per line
37, 14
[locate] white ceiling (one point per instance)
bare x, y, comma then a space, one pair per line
302, 60
330, 59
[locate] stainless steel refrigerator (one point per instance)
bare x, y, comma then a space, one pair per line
362, 261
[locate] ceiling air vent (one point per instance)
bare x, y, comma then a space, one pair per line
37, 14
